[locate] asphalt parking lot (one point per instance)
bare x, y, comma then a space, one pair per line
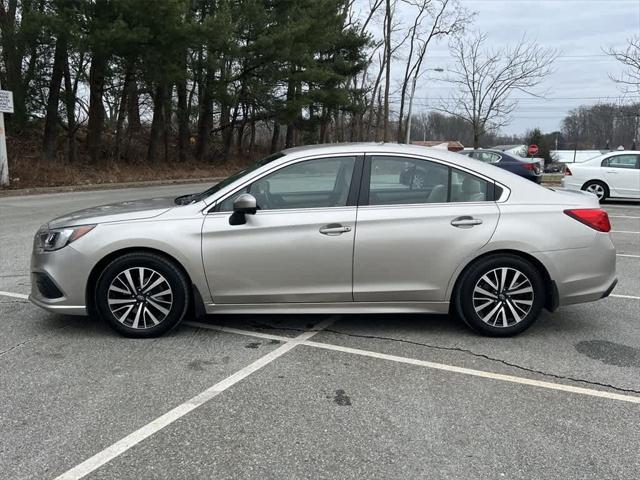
300, 396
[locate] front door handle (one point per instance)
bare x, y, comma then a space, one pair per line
334, 229
465, 222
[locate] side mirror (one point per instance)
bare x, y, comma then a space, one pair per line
244, 205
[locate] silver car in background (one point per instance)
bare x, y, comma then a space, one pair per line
333, 229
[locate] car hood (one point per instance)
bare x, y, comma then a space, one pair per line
116, 212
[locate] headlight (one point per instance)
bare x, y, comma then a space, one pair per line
50, 240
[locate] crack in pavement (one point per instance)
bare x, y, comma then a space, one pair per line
461, 350
16, 346
30, 340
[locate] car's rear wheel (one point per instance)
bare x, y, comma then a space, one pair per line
598, 188
500, 295
142, 295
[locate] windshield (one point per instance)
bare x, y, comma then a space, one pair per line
196, 197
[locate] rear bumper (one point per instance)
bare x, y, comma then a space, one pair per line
610, 289
583, 274
570, 183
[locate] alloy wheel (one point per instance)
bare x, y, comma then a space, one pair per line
503, 297
140, 298
597, 190
418, 182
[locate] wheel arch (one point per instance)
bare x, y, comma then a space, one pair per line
595, 180
551, 290
197, 303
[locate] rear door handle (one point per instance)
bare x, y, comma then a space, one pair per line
611, 171
465, 222
334, 229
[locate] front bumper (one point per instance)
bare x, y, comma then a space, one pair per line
59, 280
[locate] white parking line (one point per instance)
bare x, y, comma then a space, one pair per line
124, 444
437, 366
479, 373
624, 296
623, 231
220, 328
626, 255
121, 446
14, 295
623, 216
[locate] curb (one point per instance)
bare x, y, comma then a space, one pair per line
18, 192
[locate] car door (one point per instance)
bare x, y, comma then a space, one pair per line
298, 247
622, 174
409, 241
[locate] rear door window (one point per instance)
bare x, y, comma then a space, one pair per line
621, 161
401, 180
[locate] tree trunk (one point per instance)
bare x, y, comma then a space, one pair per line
96, 108
275, 137
252, 138
50, 136
182, 114
122, 111
13, 53
291, 126
133, 103
70, 107
157, 124
205, 119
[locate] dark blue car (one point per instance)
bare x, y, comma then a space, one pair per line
525, 167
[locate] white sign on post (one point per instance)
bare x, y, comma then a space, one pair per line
6, 101
6, 106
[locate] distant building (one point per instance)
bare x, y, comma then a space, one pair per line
451, 145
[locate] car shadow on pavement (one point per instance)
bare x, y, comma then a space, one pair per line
621, 203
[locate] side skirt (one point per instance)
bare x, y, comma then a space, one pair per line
347, 307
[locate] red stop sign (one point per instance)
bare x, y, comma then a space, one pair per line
533, 149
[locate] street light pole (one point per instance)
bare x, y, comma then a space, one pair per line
407, 136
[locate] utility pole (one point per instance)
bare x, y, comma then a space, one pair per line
6, 105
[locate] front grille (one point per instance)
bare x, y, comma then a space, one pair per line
45, 285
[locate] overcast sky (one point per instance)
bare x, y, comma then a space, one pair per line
578, 29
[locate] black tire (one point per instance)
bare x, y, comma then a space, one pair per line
159, 313
467, 300
600, 186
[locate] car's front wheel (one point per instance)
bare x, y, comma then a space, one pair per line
500, 295
599, 189
142, 295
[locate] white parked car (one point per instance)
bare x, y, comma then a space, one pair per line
614, 174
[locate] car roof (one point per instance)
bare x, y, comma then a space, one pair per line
599, 158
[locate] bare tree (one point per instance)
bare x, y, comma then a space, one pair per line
485, 80
433, 19
630, 58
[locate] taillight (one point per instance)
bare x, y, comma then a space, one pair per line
595, 218
567, 172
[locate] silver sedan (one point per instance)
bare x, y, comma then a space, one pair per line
364, 228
